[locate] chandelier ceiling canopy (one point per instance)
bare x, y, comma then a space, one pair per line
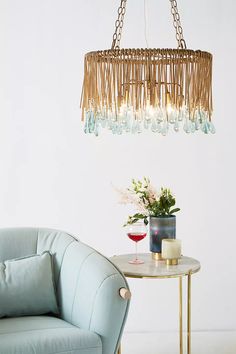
131, 90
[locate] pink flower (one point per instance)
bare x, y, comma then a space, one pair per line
152, 193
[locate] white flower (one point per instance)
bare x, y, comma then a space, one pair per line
127, 196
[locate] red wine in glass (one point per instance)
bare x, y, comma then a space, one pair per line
136, 232
136, 236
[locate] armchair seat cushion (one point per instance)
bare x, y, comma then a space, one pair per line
45, 335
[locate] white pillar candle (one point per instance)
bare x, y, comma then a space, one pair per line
171, 248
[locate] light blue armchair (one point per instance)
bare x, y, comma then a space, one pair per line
92, 312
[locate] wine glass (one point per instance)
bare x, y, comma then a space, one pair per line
136, 232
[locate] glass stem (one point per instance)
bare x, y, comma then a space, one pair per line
136, 251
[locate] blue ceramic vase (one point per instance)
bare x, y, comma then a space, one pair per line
160, 228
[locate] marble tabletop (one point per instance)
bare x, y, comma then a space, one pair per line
154, 269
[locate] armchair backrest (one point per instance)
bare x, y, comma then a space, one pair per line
21, 242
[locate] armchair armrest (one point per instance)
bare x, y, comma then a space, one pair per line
89, 294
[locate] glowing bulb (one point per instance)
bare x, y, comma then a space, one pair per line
123, 109
169, 107
149, 110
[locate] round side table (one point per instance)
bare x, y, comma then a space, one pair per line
156, 269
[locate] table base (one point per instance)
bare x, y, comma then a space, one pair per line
181, 315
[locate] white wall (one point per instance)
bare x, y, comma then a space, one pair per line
53, 175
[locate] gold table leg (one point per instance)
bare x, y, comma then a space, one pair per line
189, 316
180, 315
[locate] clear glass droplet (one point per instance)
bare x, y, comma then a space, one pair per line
146, 123
109, 124
164, 129
119, 129
197, 124
158, 127
134, 127
128, 128
154, 126
176, 126
160, 115
103, 123
187, 127
139, 128
172, 117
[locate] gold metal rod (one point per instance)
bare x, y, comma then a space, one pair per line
189, 316
119, 350
181, 315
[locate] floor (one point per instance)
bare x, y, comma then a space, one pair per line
167, 343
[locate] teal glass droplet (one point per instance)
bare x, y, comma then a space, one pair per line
204, 127
192, 127
96, 130
91, 122
211, 127
86, 127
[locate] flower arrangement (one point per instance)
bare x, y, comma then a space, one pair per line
147, 201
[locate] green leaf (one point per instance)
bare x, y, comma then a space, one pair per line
138, 216
134, 218
174, 210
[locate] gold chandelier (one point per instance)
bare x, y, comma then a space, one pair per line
130, 90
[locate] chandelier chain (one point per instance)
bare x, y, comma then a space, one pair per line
119, 25
177, 25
